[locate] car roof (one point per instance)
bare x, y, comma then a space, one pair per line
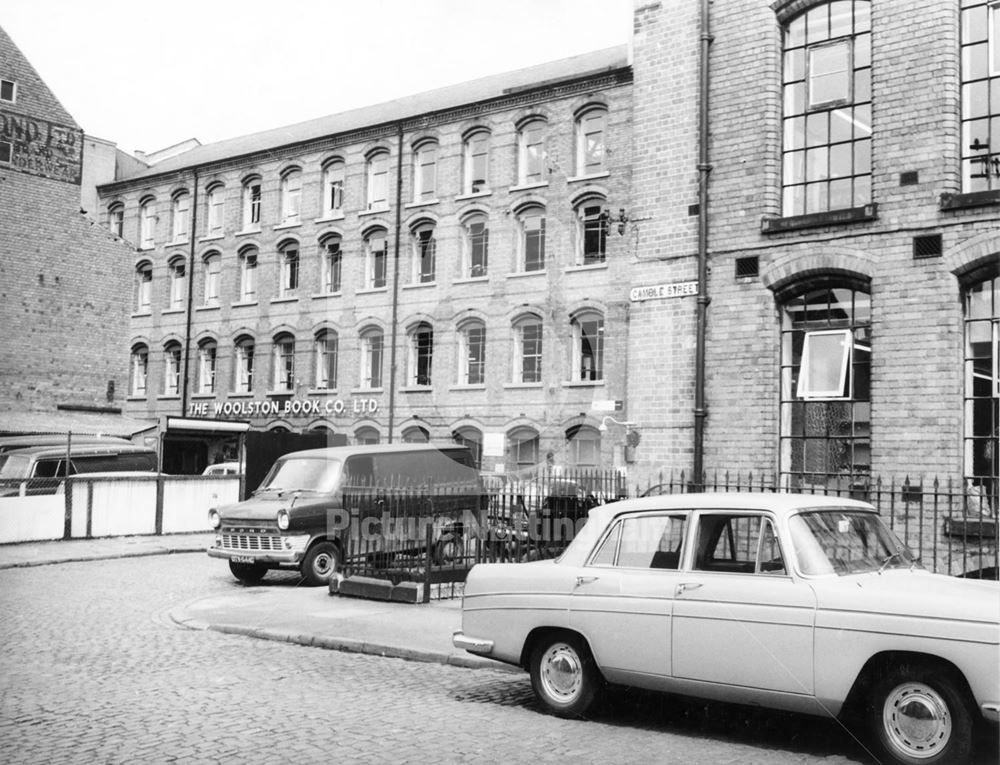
342, 452
83, 450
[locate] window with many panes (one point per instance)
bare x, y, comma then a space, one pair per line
378, 180
243, 366
424, 253
982, 388
472, 353
147, 223
327, 352
425, 171
177, 270
116, 219
248, 275
143, 287
528, 350
332, 265
588, 347
591, 127
252, 197
531, 238
827, 118
215, 204
472, 439
475, 245
213, 274
333, 188
524, 447
476, 162
825, 387
421, 355
283, 364
181, 214
291, 197
583, 447
207, 352
591, 233
172, 369
140, 370
531, 152
376, 260
371, 358
980, 95
288, 284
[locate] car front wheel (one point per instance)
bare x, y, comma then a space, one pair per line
920, 716
320, 564
564, 676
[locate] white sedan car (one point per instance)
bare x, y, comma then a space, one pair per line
794, 602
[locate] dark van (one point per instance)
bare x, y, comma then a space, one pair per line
299, 516
39, 469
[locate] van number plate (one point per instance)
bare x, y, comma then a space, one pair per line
244, 559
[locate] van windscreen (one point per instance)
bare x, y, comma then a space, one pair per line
303, 474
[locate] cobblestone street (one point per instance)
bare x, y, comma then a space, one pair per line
94, 671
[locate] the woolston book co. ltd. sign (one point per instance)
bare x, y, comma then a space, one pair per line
288, 407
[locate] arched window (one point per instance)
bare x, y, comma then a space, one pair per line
531, 238
147, 223
424, 253
181, 215
982, 385
140, 370
248, 275
116, 219
376, 259
332, 265
827, 109
372, 342
476, 162
243, 365
215, 208
288, 284
416, 435
366, 435
475, 245
473, 439
333, 188
213, 271
207, 352
327, 352
591, 127
591, 232
531, 152
177, 269
425, 171
284, 364
172, 369
143, 287
523, 447
588, 346
528, 350
378, 180
291, 197
472, 353
825, 386
583, 447
252, 196
421, 354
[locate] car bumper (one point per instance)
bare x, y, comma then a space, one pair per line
291, 556
991, 711
479, 646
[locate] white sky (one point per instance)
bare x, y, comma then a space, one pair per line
214, 69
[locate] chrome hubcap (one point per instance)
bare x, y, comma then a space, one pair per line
562, 672
323, 564
916, 720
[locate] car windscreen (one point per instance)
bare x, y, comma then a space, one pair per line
303, 474
846, 541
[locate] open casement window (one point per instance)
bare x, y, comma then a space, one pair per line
376, 257
252, 196
421, 355
333, 188
206, 368
284, 364
825, 372
244, 366
378, 180
424, 254
326, 360
476, 162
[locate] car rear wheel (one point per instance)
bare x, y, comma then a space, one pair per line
320, 564
248, 573
564, 676
920, 716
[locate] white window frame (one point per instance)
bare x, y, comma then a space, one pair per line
244, 353
521, 351
331, 274
425, 172
327, 348
207, 358
472, 354
424, 246
291, 271
582, 221
847, 73
528, 139
376, 261
816, 347
534, 211
377, 168
213, 274
473, 269
216, 207
178, 282
373, 357
420, 356
253, 195
284, 365
471, 157
140, 371
147, 224
291, 197
143, 287
249, 263
181, 208
172, 370
578, 323
116, 219
583, 133
333, 188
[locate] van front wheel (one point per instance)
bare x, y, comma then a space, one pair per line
248, 573
320, 564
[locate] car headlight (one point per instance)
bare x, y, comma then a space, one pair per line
283, 519
213, 518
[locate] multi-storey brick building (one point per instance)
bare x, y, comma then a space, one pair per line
62, 278
443, 266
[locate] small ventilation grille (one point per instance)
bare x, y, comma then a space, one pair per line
927, 246
694, 210
909, 178
747, 266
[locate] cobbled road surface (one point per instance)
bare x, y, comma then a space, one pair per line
92, 670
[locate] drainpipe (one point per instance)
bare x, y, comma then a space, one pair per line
190, 297
704, 168
395, 284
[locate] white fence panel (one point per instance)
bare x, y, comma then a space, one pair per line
120, 507
186, 502
27, 519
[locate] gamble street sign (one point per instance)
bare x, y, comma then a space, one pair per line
661, 291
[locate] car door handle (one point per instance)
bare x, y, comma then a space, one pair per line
586, 580
685, 586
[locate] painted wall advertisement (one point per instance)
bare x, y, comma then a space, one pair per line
39, 147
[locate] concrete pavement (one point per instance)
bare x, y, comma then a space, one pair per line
303, 615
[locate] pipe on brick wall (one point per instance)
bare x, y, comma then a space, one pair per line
190, 297
393, 332
704, 168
